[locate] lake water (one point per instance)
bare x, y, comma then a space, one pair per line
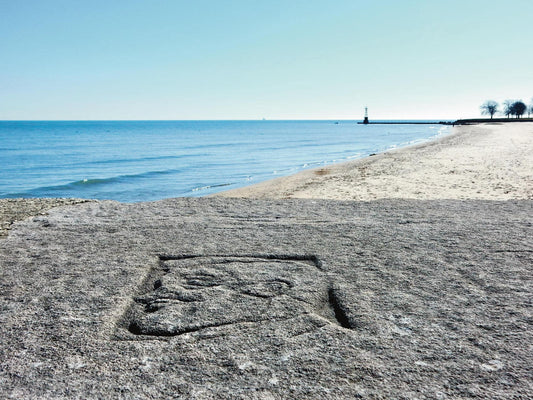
133, 161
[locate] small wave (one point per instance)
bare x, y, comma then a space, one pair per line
353, 156
86, 184
442, 131
121, 178
155, 158
113, 161
68, 187
197, 189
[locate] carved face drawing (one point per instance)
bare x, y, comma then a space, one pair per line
202, 292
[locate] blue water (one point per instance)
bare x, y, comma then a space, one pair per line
133, 161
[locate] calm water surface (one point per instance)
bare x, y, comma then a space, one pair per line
133, 161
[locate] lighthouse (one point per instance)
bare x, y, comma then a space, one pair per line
366, 116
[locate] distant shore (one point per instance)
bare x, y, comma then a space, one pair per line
490, 120
491, 161
447, 122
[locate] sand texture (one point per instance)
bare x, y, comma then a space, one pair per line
12, 210
484, 161
269, 299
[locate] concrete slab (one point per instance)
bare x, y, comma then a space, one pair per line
234, 298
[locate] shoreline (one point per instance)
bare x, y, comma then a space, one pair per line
483, 161
419, 171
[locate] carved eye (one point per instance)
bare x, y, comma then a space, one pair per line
155, 305
266, 289
202, 280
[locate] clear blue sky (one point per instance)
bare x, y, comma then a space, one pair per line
200, 59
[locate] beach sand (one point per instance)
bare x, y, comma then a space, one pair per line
12, 210
482, 161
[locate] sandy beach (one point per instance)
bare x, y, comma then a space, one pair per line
482, 161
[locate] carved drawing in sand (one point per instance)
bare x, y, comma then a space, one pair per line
188, 294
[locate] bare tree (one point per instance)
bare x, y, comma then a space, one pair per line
490, 107
508, 107
518, 108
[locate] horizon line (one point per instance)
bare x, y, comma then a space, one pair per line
229, 120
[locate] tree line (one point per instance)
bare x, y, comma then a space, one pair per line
516, 108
